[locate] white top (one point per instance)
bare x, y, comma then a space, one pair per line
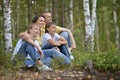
47, 37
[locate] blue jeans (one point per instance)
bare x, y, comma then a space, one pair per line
63, 49
27, 49
53, 53
67, 37
50, 54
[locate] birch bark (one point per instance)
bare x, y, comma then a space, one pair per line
88, 29
116, 26
7, 26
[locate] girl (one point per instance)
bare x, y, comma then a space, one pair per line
52, 40
27, 49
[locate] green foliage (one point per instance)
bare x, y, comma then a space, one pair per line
5, 62
57, 63
108, 61
6, 65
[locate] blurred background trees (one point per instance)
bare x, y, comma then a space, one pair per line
69, 14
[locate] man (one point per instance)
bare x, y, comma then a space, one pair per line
49, 53
66, 33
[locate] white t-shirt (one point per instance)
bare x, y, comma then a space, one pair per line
47, 37
18, 46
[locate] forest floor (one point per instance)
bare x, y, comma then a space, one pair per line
59, 75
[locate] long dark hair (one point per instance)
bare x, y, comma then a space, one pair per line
36, 18
48, 25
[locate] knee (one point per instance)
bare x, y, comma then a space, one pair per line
64, 34
29, 47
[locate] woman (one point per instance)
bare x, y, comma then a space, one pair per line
48, 53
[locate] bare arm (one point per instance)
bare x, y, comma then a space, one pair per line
61, 40
54, 43
71, 37
25, 36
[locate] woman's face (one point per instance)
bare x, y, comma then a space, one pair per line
35, 31
41, 21
52, 29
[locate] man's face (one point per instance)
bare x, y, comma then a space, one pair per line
48, 17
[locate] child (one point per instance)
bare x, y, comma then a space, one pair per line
53, 40
29, 51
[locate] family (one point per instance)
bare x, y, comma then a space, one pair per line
43, 41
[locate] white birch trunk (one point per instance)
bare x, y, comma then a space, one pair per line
116, 26
71, 14
7, 26
88, 29
93, 19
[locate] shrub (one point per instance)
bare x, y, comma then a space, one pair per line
108, 61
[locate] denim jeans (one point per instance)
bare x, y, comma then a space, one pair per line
63, 49
27, 49
53, 53
49, 54
67, 37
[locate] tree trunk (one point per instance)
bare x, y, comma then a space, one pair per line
71, 14
29, 11
62, 13
18, 16
97, 35
93, 19
7, 26
88, 29
54, 10
26, 13
116, 26
46, 9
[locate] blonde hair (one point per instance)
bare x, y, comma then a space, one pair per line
31, 26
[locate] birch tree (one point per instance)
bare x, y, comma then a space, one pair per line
7, 26
93, 19
88, 29
116, 26
71, 14
89, 24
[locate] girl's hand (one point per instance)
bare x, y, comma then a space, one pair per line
57, 48
40, 51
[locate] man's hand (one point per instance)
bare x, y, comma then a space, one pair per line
73, 46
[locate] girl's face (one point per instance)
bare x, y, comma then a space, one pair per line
34, 31
52, 29
41, 21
